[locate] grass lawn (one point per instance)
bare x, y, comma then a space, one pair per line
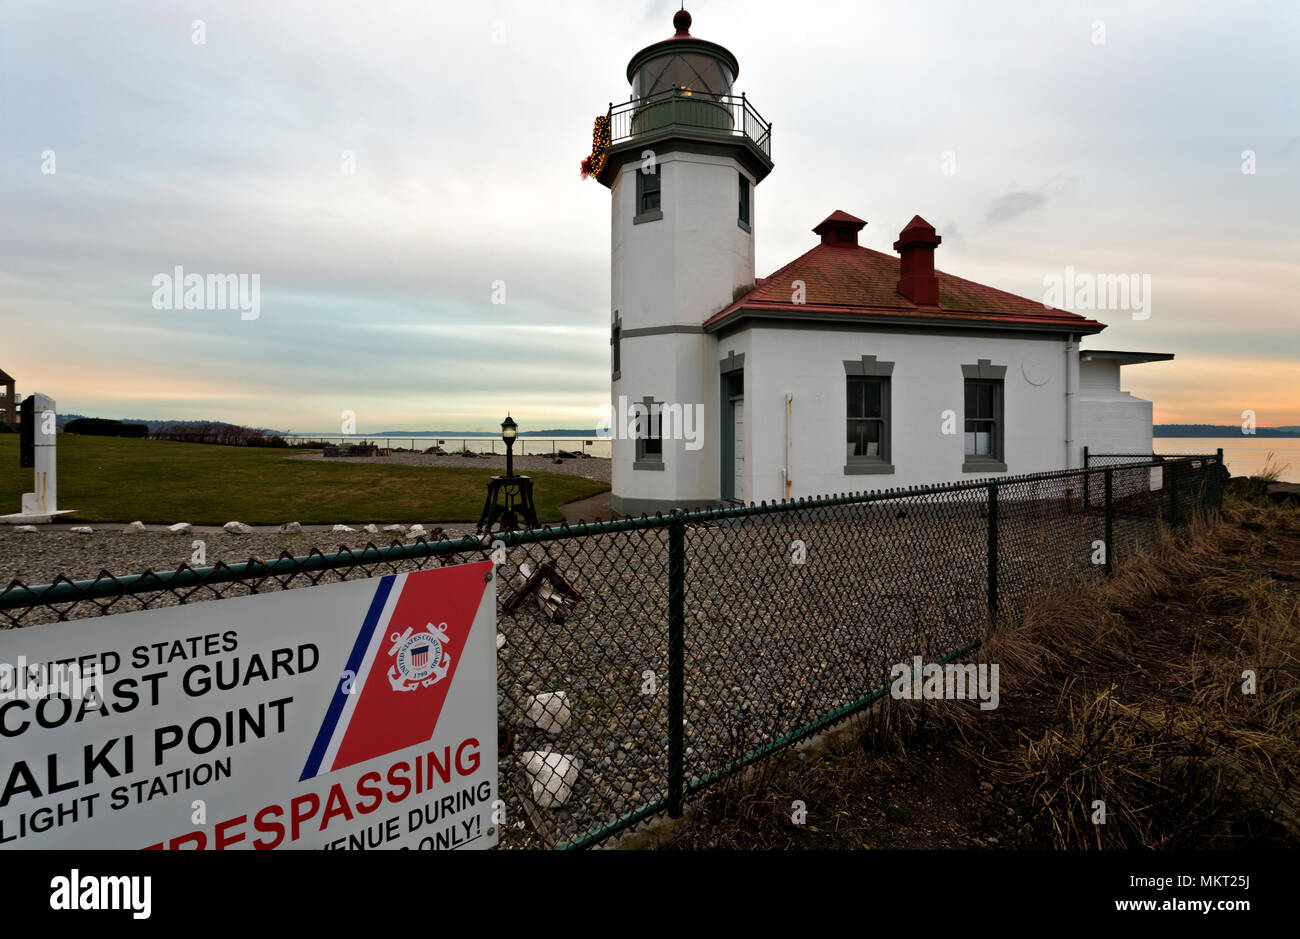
108, 479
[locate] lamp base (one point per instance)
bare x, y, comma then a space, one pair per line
509, 502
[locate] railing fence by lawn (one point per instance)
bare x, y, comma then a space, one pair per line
689, 645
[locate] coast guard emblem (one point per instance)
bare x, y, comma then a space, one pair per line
421, 660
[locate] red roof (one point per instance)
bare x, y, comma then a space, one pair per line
857, 282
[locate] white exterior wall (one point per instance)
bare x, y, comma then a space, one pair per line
927, 380
676, 271
1111, 420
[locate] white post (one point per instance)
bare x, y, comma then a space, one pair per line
43, 503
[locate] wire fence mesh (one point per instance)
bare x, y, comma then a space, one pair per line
645, 659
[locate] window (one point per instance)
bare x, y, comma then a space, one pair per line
983, 431
867, 399
649, 443
981, 424
743, 217
616, 347
866, 417
647, 197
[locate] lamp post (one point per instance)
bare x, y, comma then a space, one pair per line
509, 431
509, 497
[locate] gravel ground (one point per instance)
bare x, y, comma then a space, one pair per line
589, 467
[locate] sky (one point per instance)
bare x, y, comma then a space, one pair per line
389, 169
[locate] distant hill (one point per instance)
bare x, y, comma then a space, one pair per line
1220, 430
154, 426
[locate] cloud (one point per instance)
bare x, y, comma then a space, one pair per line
1008, 206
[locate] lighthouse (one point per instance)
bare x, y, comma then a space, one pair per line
682, 159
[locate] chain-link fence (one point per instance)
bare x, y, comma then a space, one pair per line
645, 659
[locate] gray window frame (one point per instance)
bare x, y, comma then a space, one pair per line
643, 459
868, 366
648, 215
985, 372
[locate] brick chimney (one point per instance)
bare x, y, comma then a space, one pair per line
840, 229
915, 247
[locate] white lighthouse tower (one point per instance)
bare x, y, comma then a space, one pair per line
684, 157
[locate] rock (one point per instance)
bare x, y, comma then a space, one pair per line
417, 531
291, 528
370, 529
180, 528
134, 527
31, 529
501, 637
341, 529
552, 776
401, 529
238, 528
82, 530
549, 711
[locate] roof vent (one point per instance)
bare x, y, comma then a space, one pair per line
840, 229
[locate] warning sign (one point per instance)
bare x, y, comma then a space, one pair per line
360, 715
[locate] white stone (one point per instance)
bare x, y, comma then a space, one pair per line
82, 530
237, 528
370, 529
340, 529
30, 529
290, 528
401, 529
501, 637
134, 527
552, 776
549, 711
180, 528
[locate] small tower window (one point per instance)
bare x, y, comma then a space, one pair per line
615, 342
743, 216
647, 196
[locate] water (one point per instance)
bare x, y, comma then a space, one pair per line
1244, 456
524, 446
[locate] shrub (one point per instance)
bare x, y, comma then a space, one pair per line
103, 427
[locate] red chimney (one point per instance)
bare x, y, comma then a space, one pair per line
840, 229
915, 247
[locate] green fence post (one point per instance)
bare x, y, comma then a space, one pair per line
1171, 480
1087, 478
993, 553
676, 663
1110, 522
1220, 472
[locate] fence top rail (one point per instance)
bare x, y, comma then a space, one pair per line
63, 590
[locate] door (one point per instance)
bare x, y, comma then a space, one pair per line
734, 483
738, 448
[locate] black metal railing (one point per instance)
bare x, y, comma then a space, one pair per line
722, 115
691, 644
